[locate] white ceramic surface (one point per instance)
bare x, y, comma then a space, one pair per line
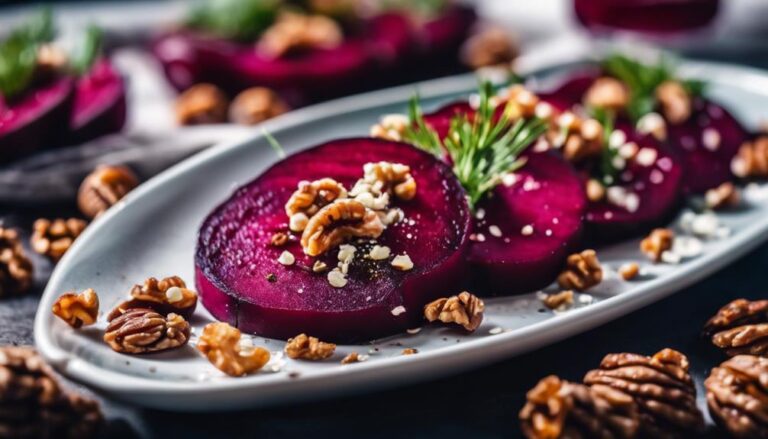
152, 232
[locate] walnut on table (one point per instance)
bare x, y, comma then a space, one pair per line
53, 238
656, 243
103, 188
308, 348
256, 104
561, 409
15, 266
465, 310
661, 386
740, 327
34, 404
77, 309
201, 104
223, 346
142, 330
164, 296
582, 271
737, 392
751, 161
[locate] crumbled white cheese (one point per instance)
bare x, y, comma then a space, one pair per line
402, 262
646, 156
710, 138
527, 230
653, 123
379, 252
298, 222
174, 294
670, 258
346, 253
687, 246
543, 110
509, 179
286, 258
336, 278
628, 150
496, 330
480, 214
494, 230
616, 139
396, 311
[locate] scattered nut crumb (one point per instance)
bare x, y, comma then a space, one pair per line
402, 262
353, 357
561, 299
724, 196
582, 271
308, 348
396, 311
319, 267
336, 278
77, 309
286, 258
656, 243
278, 239
379, 252
629, 270
410, 351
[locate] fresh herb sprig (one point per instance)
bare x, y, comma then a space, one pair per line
607, 171
18, 53
642, 80
482, 147
89, 50
242, 20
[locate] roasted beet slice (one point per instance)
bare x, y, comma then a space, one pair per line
706, 144
36, 120
645, 194
241, 282
100, 106
525, 229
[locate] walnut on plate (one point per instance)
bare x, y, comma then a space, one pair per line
661, 386
15, 266
335, 223
164, 296
465, 310
256, 104
740, 327
580, 139
656, 243
608, 93
77, 309
390, 127
751, 159
737, 396
142, 330
304, 347
35, 405
53, 238
561, 409
223, 346
103, 188
387, 177
582, 271
292, 31
493, 46
675, 101
201, 104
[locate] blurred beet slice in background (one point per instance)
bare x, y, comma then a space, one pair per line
99, 105
235, 261
648, 16
38, 119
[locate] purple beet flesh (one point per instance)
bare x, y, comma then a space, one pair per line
35, 120
525, 230
100, 106
234, 260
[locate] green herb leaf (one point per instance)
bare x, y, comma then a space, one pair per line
481, 147
242, 20
18, 53
423, 8
642, 80
607, 172
89, 50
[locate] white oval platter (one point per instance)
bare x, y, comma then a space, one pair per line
152, 232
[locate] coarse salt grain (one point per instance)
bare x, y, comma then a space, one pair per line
174, 294
710, 138
336, 278
402, 262
494, 230
527, 230
346, 253
286, 258
646, 156
396, 311
379, 252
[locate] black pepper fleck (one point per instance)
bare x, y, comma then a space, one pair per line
271, 277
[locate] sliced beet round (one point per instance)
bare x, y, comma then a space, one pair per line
528, 226
706, 144
241, 282
646, 192
35, 120
100, 106
524, 231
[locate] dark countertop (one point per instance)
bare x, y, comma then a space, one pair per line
482, 403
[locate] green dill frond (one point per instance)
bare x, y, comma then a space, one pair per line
18, 53
482, 147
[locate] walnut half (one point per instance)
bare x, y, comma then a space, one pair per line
309, 198
465, 310
308, 348
53, 238
77, 309
582, 271
142, 330
168, 295
222, 345
338, 221
740, 327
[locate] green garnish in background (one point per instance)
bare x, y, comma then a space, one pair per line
642, 80
18, 53
482, 148
89, 50
242, 20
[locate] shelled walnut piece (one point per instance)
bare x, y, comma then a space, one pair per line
561, 409
303, 347
465, 310
737, 396
77, 309
675, 101
201, 104
34, 404
292, 31
142, 330
309, 198
580, 139
559, 300
390, 127
582, 271
15, 266
164, 296
336, 223
740, 327
656, 243
256, 104
386, 177
722, 197
53, 238
491, 47
751, 161
608, 93
661, 387
103, 188
223, 347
